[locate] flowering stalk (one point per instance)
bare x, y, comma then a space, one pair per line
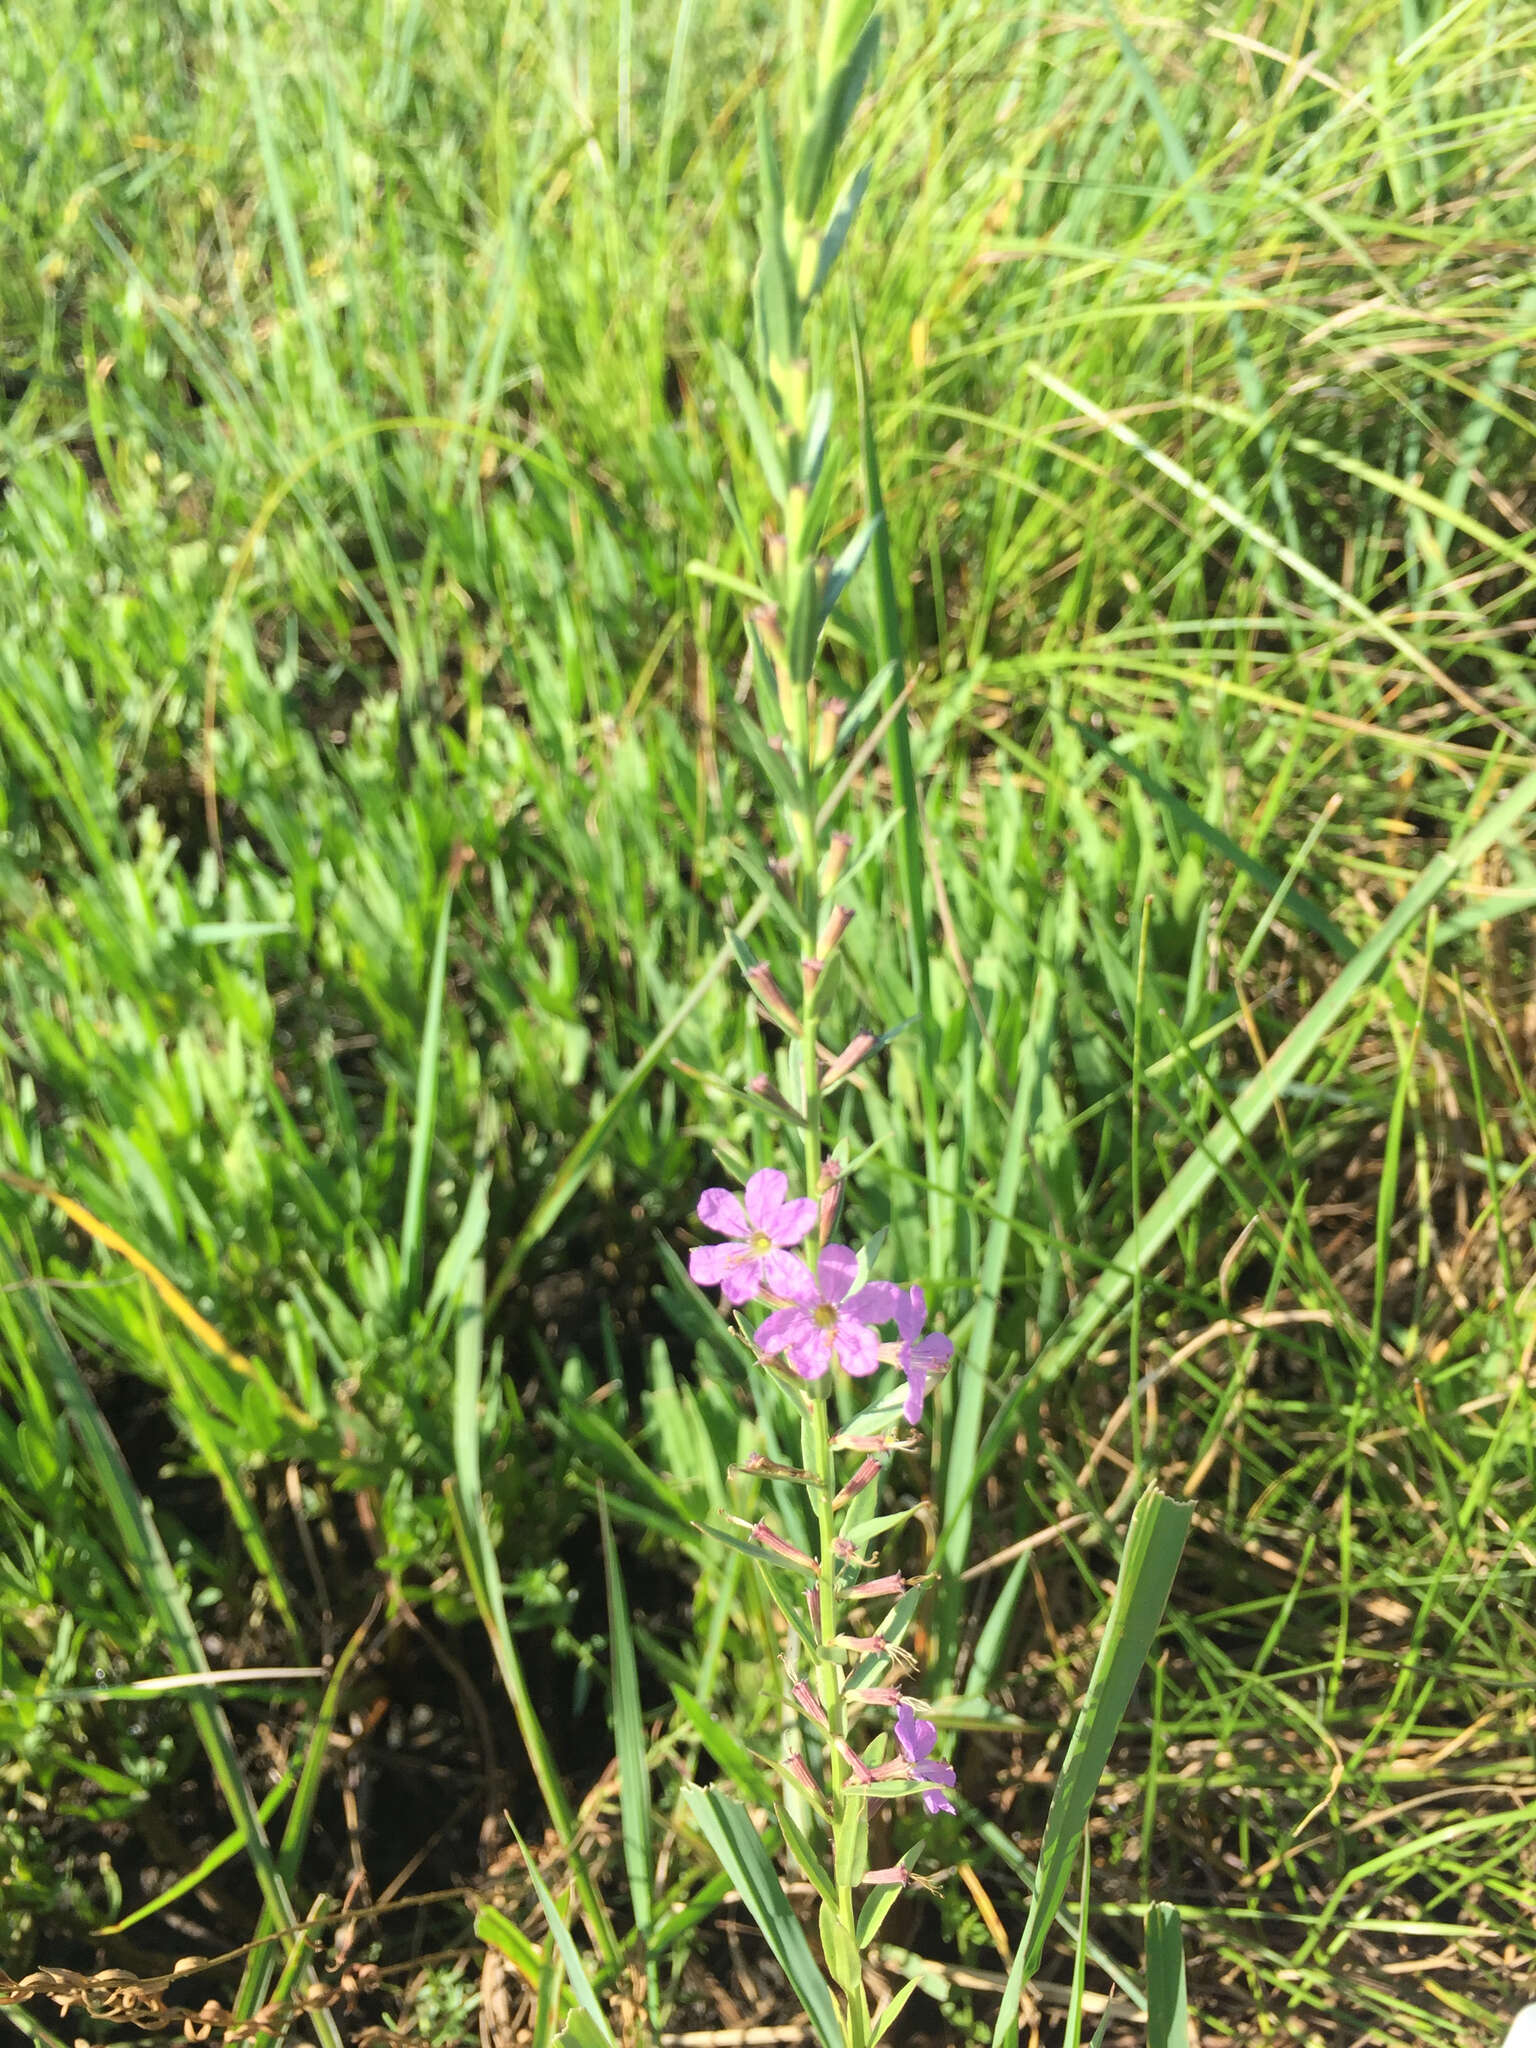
805, 1300
776, 1251
820, 1321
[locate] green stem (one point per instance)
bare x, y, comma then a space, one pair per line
820, 1462
820, 1459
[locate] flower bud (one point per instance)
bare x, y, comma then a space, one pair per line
808, 1703
838, 849
828, 719
763, 1088
834, 928
853, 1054
858, 1482
773, 999
831, 1200
797, 1768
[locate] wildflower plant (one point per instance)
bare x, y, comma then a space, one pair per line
812, 1307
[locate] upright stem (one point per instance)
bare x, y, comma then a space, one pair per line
820, 1459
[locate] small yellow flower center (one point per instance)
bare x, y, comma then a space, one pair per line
824, 1316
760, 1242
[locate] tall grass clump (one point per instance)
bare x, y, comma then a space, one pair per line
652, 654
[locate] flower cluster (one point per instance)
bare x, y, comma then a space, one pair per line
819, 1318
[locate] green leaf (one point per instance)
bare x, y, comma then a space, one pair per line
804, 1854
873, 1911
778, 305
763, 435
733, 1838
570, 1955
839, 1948
424, 1119
849, 201
1167, 2009
846, 567
628, 1732
1153, 1546
888, 2014
830, 120
852, 1845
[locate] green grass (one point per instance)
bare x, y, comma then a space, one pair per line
363, 415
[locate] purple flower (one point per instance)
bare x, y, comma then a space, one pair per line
916, 1738
758, 1260
917, 1355
824, 1324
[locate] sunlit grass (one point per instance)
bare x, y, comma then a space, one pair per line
363, 415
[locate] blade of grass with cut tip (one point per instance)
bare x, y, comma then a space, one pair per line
1153, 1546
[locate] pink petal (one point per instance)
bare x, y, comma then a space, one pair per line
875, 1303
836, 1271
743, 1277
783, 1273
857, 1351
720, 1210
708, 1264
794, 1222
911, 1311
777, 1330
912, 1407
810, 1350
765, 1194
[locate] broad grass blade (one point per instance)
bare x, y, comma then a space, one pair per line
1153, 1546
1247, 1111
1167, 2007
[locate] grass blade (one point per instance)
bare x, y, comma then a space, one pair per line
1249, 1109
145, 1554
735, 1841
413, 1221
629, 1740
1167, 2007
1153, 1546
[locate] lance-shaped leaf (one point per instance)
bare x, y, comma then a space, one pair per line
831, 244
831, 118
